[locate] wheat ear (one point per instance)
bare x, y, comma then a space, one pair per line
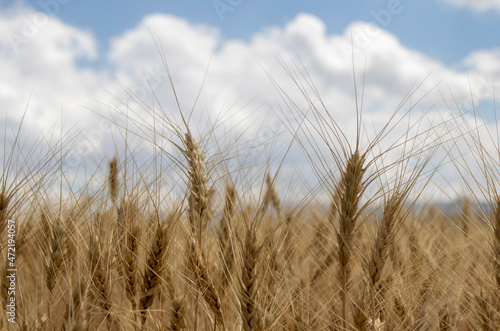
227, 216
380, 249
271, 196
496, 243
350, 188
155, 267
99, 272
72, 314
113, 180
384, 237
321, 240
226, 230
324, 266
447, 318
198, 184
205, 282
466, 216
177, 320
421, 313
130, 268
486, 313
401, 311
4, 209
126, 214
56, 254
361, 321
252, 319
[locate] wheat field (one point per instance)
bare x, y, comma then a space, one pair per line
132, 256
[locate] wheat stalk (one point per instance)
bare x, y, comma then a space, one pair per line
4, 209
380, 250
205, 282
227, 216
384, 237
113, 180
225, 233
252, 319
325, 265
447, 318
271, 196
496, 243
155, 268
361, 321
198, 184
486, 315
56, 254
350, 188
423, 297
99, 271
72, 316
130, 267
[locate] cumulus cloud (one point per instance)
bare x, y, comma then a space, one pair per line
39, 56
237, 70
477, 5
46, 63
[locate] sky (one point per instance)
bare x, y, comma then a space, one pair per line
76, 64
445, 29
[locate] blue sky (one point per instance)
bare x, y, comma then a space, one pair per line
81, 60
437, 28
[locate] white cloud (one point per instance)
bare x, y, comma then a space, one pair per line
47, 64
477, 5
186, 46
38, 58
